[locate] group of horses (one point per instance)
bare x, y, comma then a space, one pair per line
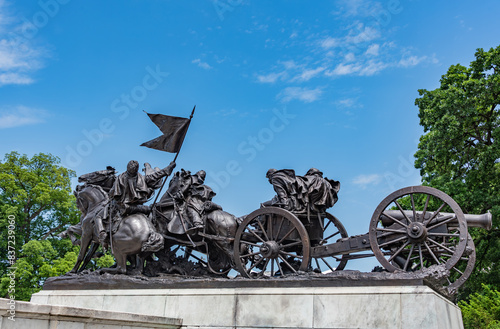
138, 236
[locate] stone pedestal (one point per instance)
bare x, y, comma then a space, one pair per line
383, 306
24, 315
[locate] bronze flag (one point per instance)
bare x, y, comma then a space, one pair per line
174, 129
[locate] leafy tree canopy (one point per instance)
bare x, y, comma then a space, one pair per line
459, 152
36, 194
37, 261
482, 311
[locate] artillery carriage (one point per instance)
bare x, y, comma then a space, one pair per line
411, 230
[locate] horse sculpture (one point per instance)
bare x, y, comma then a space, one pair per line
135, 234
138, 236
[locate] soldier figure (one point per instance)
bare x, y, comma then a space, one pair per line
284, 183
300, 193
131, 190
321, 192
198, 195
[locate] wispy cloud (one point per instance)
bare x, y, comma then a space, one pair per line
358, 8
308, 74
270, 78
373, 50
411, 61
348, 103
305, 95
329, 42
21, 116
356, 35
362, 48
365, 180
201, 64
19, 57
290, 71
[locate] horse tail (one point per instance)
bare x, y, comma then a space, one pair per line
154, 243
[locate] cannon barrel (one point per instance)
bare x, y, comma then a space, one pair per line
482, 220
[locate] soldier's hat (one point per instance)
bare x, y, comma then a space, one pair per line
314, 171
270, 172
201, 174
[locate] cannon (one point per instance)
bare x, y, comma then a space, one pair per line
411, 230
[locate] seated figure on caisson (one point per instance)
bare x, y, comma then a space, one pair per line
302, 194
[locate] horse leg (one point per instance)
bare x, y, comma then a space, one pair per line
141, 259
121, 262
71, 232
90, 253
83, 249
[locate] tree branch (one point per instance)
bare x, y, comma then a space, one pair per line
46, 235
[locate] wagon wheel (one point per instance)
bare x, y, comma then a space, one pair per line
463, 269
416, 235
332, 231
271, 242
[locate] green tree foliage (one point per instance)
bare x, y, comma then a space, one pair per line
37, 261
459, 152
36, 193
482, 311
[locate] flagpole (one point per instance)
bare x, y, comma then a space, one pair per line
189, 122
175, 158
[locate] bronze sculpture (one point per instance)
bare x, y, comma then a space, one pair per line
291, 234
413, 230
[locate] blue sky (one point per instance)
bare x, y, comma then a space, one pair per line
277, 84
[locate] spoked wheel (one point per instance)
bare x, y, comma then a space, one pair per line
271, 242
332, 231
463, 269
417, 227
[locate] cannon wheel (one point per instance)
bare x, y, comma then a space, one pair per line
271, 242
413, 245
458, 274
332, 230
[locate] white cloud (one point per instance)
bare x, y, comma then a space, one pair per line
360, 69
269, 78
355, 38
13, 78
329, 42
373, 50
21, 116
347, 102
365, 180
289, 65
362, 8
362, 34
350, 57
201, 64
19, 57
343, 69
308, 74
372, 67
305, 95
411, 61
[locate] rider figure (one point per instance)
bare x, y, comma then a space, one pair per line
131, 190
198, 195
